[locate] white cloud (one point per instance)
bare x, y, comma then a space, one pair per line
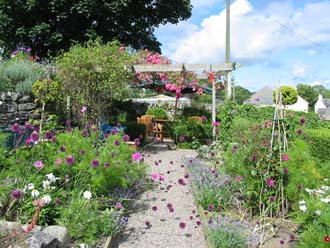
253, 35
300, 70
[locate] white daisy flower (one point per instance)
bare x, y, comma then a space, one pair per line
303, 208
325, 187
51, 178
318, 212
46, 199
35, 193
87, 195
46, 184
326, 200
30, 186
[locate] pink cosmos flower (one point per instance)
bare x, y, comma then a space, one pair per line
285, 157
137, 156
39, 164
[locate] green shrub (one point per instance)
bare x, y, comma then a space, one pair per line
19, 75
194, 111
135, 130
313, 236
289, 95
319, 143
158, 112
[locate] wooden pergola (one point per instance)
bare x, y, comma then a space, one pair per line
199, 69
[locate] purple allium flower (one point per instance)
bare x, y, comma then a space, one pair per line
27, 126
186, 175
239, 178
16, 194
53, 139
254, 158
82, 152
119, 205
181, 181
68, 122
285, 157
171, 210
299, 131
48, 134
204, 119
62, 149
117, 143
171, 162
57, 202
270, 182
182, 225
292, 237
302, 120
69, 129
272, 198
300, 187
147, 222
154, 208
212, 154
34, 136
137, 141
15, 128
36, 127
198, 223
181, 138
106, 164
126, 138
137, 156
69, 160
39, 164
95, 163
28, 141
210, 207
84, 133
286, 170
282, 242
234, 149
114, 131
169, 205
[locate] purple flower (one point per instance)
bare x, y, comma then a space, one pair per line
282, 242
36, 127
53, 139
300, 187
27, 126
95, 163
117, 143
198, 223
57, 202
181, 181
15, 128
137, 156
49, 134
302, 120
254, 158
16, 194
82, 152
234, 149
270, 182
137, 141
84, 133
68, 122
272, 198
106, 164
210, 207
34, 136
186, 175
69, 160
119, 205
154, 208
285, 157
216, 124
292, 237
62, 149
182, 225
286, 170
67, 178
299, 131
39, 164
239, 178
126, 138
114, 131
181, 138
83, 109
204, 119
147, 223
169, 205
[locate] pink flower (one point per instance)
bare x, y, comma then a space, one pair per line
39, 164
161, 178
285, 157
154, 176
83, 109
16, 194
58, 161
216, 124
34, 136
119, 205
137, 156
182, 225
204, 119
270, 182
181, 138
15, 128
239, 178
126, 138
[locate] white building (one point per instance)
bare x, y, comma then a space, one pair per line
319, 104
300, 105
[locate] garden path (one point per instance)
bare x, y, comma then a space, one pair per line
165, 230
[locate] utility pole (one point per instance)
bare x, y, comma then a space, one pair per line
228, 75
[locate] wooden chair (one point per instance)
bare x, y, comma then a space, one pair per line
147, 121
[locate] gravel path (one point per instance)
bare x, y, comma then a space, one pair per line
164, 230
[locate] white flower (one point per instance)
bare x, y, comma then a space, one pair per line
51, 178
302, 202
303, 208
30, 186
309, 191
87, 195
319, 191
46, 199
46, 184
326, 200
318, 212
35, 193
325, 187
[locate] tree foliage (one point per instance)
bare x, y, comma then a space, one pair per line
48, 26
289, 95
308, 93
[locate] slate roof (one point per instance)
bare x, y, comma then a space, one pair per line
263, 97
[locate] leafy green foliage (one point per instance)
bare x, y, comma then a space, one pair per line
135, 130
19, 75
53, 25
94, 75
158, 112
289, 95
319, 142
195, 111
192, 130
309, 94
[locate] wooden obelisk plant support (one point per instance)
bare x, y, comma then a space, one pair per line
278, 146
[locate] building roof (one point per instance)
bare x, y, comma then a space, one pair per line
263, 97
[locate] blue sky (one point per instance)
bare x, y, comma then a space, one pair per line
278, 42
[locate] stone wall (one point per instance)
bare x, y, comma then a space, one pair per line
17, 107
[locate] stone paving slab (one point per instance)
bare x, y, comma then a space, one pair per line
164, 230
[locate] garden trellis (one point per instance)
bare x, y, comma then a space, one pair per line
201, 69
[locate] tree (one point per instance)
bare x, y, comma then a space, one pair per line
322, 90
309, 94
49, 26
241, 94
289, 95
